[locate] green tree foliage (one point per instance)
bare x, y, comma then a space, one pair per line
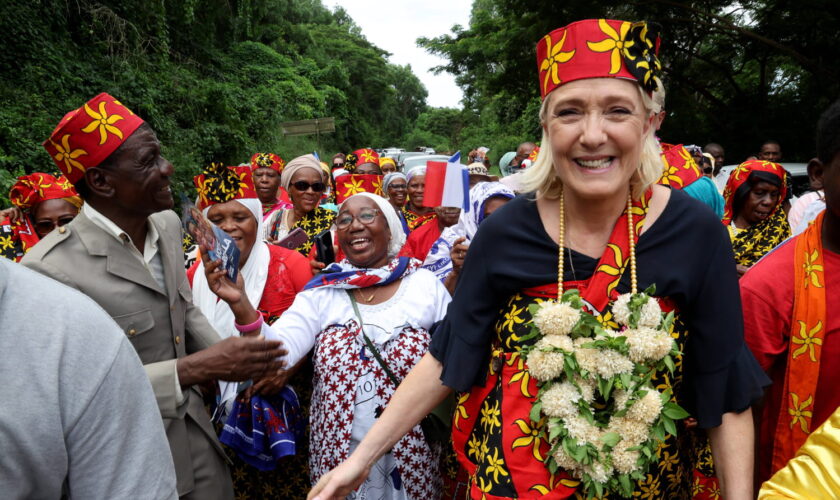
214, 78
736, 73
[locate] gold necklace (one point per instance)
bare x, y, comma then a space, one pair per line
370, 297
562, 238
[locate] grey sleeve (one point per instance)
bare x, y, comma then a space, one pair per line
117, 446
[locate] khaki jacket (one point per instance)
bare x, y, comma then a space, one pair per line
162, 325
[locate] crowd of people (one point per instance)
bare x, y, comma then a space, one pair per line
608, 319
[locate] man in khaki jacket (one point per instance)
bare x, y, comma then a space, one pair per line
124, 251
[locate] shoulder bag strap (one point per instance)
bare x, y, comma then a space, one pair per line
372, 348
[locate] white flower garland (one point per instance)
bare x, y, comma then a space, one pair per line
577, 362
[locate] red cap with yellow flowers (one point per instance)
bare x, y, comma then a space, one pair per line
599, 48
88, 135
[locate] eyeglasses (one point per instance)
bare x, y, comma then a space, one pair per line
45, 226
338, 165
366, 216
318, 187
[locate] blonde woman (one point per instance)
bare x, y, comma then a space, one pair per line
595, 213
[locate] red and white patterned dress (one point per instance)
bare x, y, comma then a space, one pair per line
350, 387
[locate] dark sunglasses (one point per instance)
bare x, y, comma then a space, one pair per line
366, 216
318, 187
46, 226
338, 165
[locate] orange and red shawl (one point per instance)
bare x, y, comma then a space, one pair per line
680, 168
349, 184
807, 332
88, 135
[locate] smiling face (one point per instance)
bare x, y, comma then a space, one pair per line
266, 182
365, 245
138, 176
416, 187
759, 203
305, 201
596, 129
50, 214
397, 192
237, 221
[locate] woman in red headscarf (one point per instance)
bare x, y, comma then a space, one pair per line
41, 203
757, 224
571, 379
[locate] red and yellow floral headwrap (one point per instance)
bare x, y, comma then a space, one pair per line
772, 172
599, 48
88, 135
267, 160
220, 184
680, 169
32, 189
360, 157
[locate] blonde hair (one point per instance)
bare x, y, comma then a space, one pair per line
542, 179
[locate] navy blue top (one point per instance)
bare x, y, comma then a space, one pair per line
686, 253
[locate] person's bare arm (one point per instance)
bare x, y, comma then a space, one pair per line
733, 452
418, 394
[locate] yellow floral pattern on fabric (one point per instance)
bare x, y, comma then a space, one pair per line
813, 271
798, 412
102, 122
532, 436
808, 338
554, 58
68, 155
615, 44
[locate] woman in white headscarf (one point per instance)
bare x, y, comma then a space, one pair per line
271, 277
397, 302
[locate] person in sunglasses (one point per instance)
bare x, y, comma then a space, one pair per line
305, 182
42, 203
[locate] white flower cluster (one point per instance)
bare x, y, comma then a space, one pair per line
606, 363
556, 318
650, 315
647, 344
560, 398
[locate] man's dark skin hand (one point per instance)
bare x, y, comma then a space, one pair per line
234, 359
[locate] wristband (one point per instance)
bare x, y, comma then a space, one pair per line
250, 327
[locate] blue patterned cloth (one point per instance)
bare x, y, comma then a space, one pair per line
265, 429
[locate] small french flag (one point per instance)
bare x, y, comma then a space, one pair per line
447, 184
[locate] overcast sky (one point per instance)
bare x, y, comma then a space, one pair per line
395, 25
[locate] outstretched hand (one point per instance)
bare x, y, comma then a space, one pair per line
339, 482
